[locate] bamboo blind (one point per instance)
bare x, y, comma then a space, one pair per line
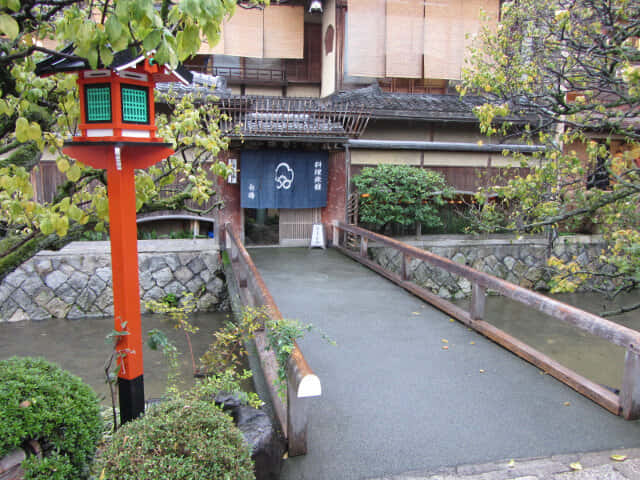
412, 38
284, 32
273, 32
297, 224
366, 28
404, 38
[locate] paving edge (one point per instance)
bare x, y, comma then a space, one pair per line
538, 468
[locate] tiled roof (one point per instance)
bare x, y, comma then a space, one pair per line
409, 105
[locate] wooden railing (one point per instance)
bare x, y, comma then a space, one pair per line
302, 383
627, 403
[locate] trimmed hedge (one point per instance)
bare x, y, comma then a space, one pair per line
40, 401
177, 440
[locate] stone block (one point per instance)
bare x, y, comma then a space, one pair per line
7, 309
146, 280
86, 299
96, 284
5, 292
18, 316
173, 262
206, 275
194, 284
155, 293
197, 265
104, 273
460, 259
43, 297
15, 278
509, 262
207, 302
55, 279
155, 264
43, 266
75, 313
163, 276
216, 285
602, 472
32, 285
175, 288
57, 308
629, 468
78, 281
183, 274
211, 260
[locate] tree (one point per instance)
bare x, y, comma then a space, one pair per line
400, 194
571, 70
38, 114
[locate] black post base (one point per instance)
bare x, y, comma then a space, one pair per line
131, 397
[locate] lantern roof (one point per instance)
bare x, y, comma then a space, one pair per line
66, 62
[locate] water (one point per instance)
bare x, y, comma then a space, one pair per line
590, 356
79, 346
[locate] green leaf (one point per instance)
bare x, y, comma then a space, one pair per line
13, 5
113, 28
63, 164
34, 131
106, 57
9, 26
22, 129
73, 174
152, 40
75, 213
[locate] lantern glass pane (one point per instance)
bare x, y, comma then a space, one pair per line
135, 107
98, 101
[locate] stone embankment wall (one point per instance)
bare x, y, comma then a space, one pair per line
75, 282
519, 261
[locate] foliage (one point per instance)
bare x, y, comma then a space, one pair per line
40, 401
228, 348
282, 335
178, 310
37, 114
400, 194
564, 74
176, 440
159, 341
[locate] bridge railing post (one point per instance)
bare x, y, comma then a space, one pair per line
336, 234
302, 385
478, 297
630, 391
364, 242
404, 268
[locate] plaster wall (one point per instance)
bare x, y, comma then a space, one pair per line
328, 59
303, 91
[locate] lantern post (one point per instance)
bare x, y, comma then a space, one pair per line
118, 134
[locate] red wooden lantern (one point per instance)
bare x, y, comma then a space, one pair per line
118, 133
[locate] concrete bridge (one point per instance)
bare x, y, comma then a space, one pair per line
407, 388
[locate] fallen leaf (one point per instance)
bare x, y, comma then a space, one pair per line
618, 458
566, 404
285, 456
511, 464
444, 347
472, 343
25, 404
416, 313
444, 340
575, 466
481, 370
451, 320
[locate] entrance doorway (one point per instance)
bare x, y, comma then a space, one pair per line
296, 226
288, 227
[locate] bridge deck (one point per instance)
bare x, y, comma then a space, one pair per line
394, 401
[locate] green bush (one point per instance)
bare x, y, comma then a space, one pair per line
177, 440
40, 401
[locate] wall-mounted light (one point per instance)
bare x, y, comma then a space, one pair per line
315, 6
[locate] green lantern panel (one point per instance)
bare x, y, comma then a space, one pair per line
135, 104
98, 103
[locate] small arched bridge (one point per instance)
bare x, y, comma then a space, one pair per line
416, 383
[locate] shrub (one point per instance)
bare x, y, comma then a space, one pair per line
178, 440
400, 194
40, 401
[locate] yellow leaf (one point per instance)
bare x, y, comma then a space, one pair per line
444, 340
575, 466
102, 474
416, 313
511, 464
472, 343
451, 320
481, 370
566, 404
445, 347
618, 458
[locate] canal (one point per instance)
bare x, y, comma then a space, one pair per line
590, 356
80, 347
